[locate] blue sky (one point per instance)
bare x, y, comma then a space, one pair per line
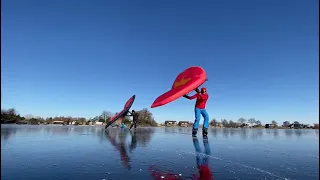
81, 57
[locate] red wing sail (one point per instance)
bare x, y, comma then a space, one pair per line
185, 82
121, 114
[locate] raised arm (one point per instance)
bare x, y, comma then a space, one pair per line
192, 97
186, 96
197, 90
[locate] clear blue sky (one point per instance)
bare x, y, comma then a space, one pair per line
81, 57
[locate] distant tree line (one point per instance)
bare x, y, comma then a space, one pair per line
11, 116
252, 122
145, 118
234, 124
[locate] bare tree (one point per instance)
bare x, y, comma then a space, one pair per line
105, 116
213, 122
224, 122
12, 112
3, 111
146, 117
274, 123
28, 116
258, 123
82, 120
252, 121
242, 120
232, 124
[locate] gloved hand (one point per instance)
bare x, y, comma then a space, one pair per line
197, 90
186, 96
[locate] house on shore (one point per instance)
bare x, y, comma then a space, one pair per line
306, 126
244, 125
68, 122
98, 123
298, 126
217, 125
183, 123
269, 126
62, 121
58, 122
170, 123
291, 126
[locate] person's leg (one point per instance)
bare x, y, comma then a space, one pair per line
207, 151
135, 125
131, 125
198, 150
196, 121
205, 122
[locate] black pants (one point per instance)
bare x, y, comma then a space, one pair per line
134, 123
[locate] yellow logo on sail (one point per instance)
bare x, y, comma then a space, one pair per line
181, 82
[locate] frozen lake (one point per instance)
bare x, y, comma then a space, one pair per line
90, 152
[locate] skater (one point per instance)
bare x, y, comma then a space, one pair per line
200, 108
135, 117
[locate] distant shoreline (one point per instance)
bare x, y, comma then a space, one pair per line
156, 126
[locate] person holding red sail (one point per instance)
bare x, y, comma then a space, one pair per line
200, 108
135, 117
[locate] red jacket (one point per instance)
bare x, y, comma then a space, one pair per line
201, 100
